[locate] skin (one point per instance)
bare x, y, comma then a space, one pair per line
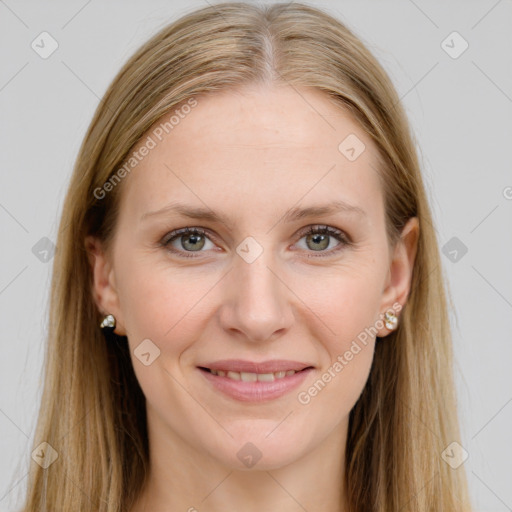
251, 155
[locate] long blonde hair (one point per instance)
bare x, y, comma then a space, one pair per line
93, 410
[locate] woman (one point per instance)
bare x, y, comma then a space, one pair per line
247, 309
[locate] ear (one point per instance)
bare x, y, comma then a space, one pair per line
400, 272
104, 289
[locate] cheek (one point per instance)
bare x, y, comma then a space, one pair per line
347, 299
347, 355
163, 303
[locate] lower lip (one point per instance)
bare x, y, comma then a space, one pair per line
256, 391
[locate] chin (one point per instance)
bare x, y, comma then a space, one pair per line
264, 449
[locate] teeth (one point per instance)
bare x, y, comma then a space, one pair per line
248, 377
253, 377
266, 377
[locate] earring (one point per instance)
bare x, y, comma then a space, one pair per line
391, 320
108, 322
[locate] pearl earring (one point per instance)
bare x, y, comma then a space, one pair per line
108, 322
391, 320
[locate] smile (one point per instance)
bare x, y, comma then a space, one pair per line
254, 386
252, 377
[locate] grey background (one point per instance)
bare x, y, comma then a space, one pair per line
460, 111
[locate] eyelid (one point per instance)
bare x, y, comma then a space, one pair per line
329, 230
175, 233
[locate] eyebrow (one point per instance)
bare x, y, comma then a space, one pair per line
292, 215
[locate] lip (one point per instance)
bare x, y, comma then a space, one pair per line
241, 365
256, 391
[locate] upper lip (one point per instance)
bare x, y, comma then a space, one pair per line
271, 366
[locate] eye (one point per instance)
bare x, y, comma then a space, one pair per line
187, 240
193, 240
319, 238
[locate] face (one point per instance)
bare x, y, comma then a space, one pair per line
260, 277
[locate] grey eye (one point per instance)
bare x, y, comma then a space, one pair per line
189, 241
319, 242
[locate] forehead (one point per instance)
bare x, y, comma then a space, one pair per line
258, 149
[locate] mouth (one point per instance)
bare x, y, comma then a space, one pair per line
253, 376
255, 382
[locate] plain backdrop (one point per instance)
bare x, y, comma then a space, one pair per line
459, 103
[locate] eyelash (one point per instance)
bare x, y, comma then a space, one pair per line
313, 230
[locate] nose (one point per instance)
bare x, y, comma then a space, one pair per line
256, 301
